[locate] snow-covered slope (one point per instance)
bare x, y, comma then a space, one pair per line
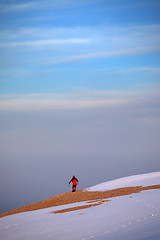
134, 217
132, 181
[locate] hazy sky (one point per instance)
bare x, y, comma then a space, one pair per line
79, 94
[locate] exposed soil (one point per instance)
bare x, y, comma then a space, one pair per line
81, 207
79, 196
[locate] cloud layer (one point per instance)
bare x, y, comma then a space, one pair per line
80, 100
78, 43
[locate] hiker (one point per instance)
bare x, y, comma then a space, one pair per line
74, 181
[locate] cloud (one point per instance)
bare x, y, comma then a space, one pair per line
45, 42
80, 57
93, 42
147, 69
78, 100
30, 105
130, 51
17, 7
40, 4
109, 33
56, 4
153, 70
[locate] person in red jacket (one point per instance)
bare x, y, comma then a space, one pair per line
74, 181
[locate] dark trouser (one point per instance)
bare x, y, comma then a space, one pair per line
74, 188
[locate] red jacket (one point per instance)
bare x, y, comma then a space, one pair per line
74, 180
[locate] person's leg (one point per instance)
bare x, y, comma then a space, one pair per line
73, 188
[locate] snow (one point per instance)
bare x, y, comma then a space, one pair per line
144, 180
134, 217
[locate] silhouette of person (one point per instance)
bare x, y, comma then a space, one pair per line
74, 181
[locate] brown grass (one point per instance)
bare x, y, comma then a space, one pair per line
81, 207
79, 196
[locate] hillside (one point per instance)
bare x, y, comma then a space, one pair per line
112, 209
80, 196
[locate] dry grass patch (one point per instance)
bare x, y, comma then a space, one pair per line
79, 196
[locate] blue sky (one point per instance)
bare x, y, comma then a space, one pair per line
79, 94
67, 46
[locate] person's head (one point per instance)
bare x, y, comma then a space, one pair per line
73, 176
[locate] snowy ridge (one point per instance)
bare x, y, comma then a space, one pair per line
143, 180
133, 217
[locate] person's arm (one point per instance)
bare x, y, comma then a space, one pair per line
70, 180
